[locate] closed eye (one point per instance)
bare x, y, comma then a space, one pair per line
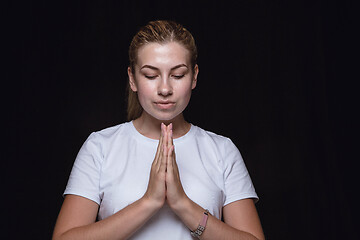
178, 76
151, 77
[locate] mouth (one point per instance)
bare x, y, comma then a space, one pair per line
164, 104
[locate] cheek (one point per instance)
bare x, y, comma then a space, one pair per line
184, 91
145, 91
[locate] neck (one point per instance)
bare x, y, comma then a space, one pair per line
150, 126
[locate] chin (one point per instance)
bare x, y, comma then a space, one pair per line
164, 116
168, 115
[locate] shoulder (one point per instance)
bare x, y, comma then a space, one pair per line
103, 139
108, 134
225, 151
122, 128
220, 142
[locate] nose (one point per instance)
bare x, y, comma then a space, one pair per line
165, 88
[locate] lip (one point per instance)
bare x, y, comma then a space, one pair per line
164, 104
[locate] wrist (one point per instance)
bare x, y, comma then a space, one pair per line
189, 212
151, 204
181, 205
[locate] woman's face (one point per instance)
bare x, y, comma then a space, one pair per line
163, 79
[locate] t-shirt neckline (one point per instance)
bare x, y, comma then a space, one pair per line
176, 140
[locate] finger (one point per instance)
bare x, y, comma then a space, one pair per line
159, 150
165, 139
172, 157
163, 153
171, 138
166, 135
170, 135
171, 153
175, 166
169, 159
159, 146
171, 167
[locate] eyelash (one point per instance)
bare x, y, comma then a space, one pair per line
150, 77
174, 76
178, 76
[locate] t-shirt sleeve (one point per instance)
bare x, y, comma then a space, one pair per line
84, 178
237, 181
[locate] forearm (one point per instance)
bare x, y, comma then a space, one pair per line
191, 214
121, 225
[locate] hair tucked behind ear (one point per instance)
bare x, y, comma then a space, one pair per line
134, 108
160, 31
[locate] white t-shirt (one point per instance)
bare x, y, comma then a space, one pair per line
113, 167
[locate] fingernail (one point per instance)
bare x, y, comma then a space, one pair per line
170, 125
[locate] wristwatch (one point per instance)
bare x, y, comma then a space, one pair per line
200, 229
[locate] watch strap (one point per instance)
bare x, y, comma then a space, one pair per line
200, 229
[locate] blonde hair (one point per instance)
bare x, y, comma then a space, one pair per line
160, 31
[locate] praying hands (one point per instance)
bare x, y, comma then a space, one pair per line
164, 183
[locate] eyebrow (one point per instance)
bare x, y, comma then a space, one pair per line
173, 68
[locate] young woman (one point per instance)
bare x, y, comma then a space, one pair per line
158, 176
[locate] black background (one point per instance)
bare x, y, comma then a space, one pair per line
277, 77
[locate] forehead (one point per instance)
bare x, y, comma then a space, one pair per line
163, 55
